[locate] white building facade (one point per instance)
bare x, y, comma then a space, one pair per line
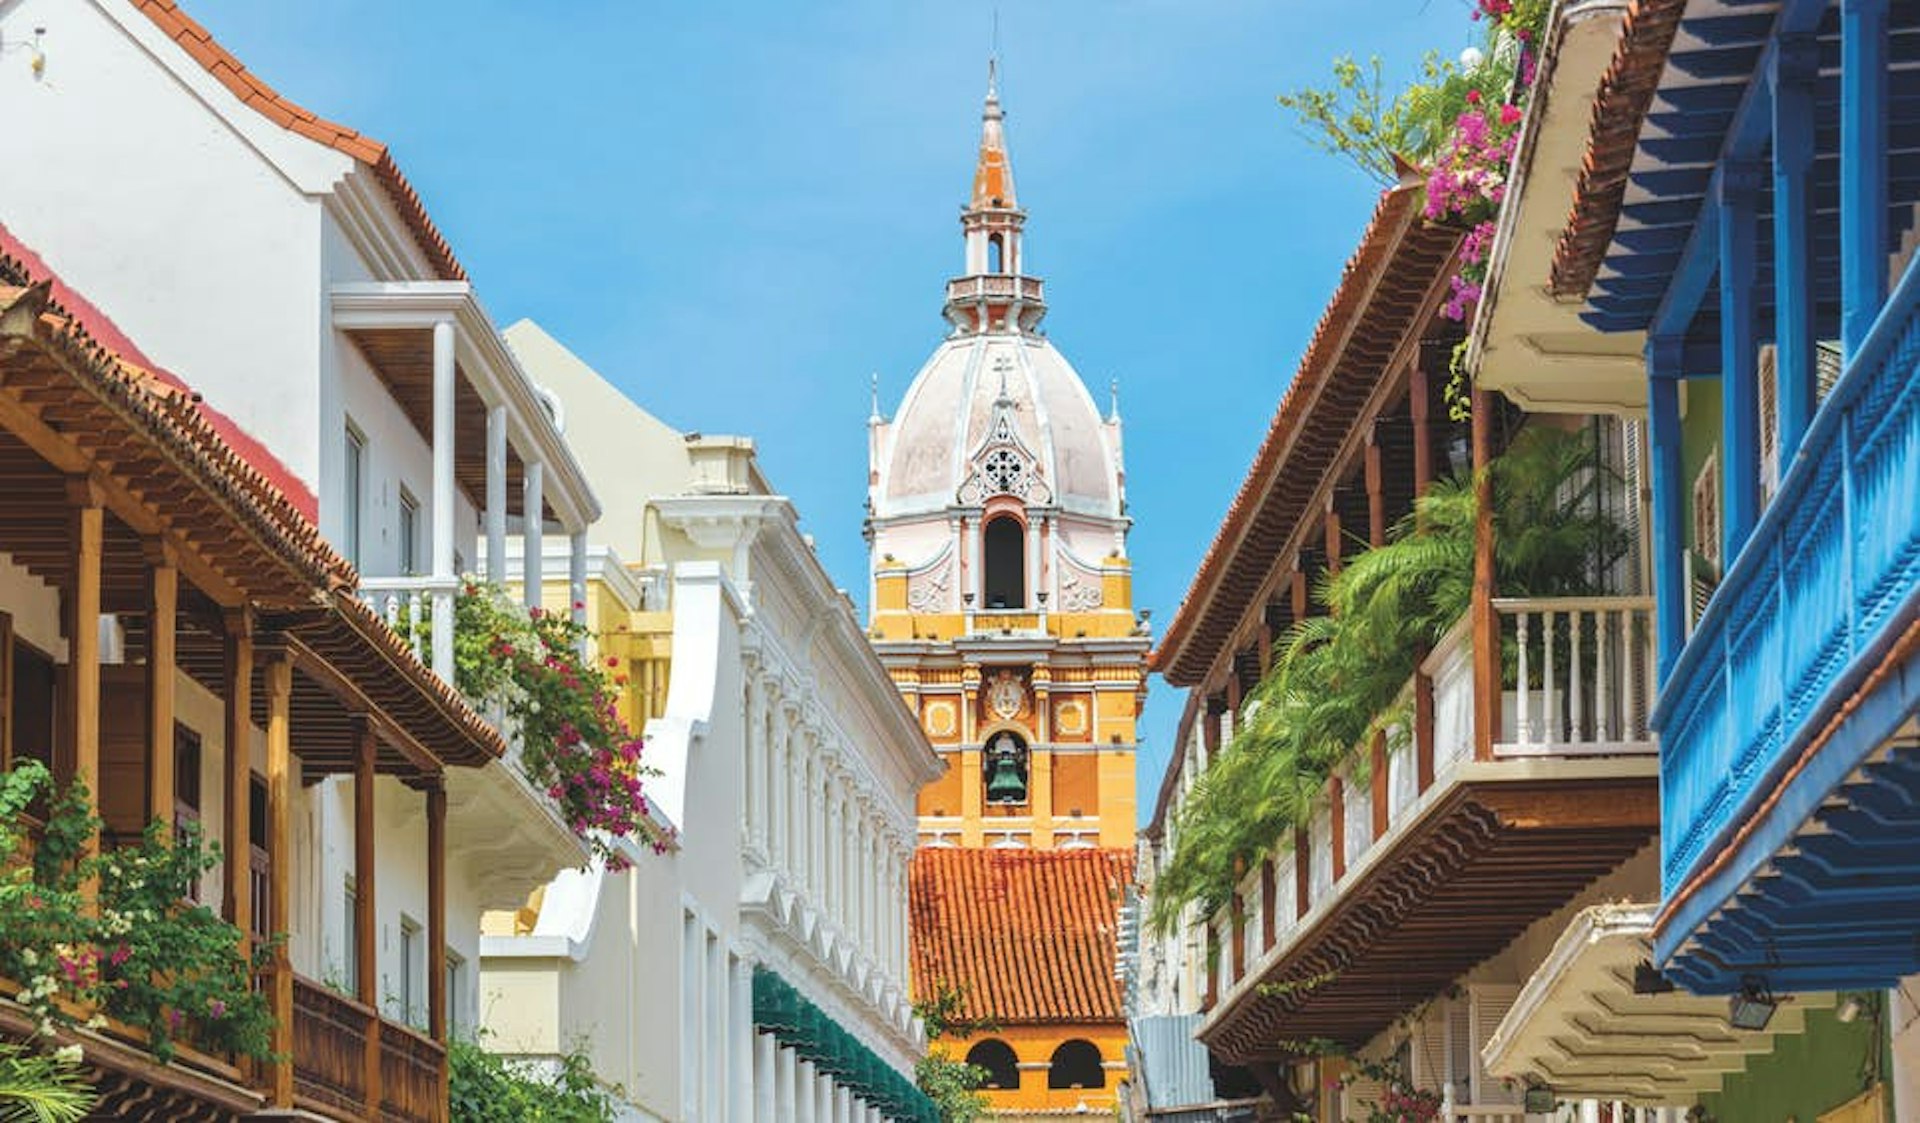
757, 970
284, 264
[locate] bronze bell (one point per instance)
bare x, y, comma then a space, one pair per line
1006, 784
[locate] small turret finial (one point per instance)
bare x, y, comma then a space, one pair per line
1113, 397
874, 414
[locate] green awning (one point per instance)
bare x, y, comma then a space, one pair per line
796, 1023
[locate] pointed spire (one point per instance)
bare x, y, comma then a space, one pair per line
1113, 397
873, 416
993, 177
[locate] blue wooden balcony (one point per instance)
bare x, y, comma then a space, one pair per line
1791, 824
1770, 193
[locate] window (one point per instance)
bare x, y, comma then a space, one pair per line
409, 534
186, 787
1076, 1064
353, 491
259, 863
410, 946
456, 978
1006, 579
996, 254
33, 705
350, 971
1706, 511
1003, 1068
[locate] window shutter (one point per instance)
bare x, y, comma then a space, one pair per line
1490, 1003
1358, 1096
1461, 1058
1826, 370
1706, 511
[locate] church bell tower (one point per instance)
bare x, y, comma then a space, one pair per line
1001, 597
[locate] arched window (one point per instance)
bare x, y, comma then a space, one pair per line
1003, 1068
996, 254
1076, 1064
1006, 578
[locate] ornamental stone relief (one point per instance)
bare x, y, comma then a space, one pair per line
927, 592
1006, 696
1077, 595
942, 719
1070, 717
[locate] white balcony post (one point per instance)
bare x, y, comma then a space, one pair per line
497, 495
532, 532
577, 575
443, 392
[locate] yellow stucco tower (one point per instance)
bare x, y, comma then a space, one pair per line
1002, 597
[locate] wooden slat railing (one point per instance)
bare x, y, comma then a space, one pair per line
412, 1076
330, 1049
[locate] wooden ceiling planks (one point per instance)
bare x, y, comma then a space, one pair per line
403, 358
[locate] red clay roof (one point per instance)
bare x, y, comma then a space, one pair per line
268, 102
1626, 93
1386, 283
1027, 935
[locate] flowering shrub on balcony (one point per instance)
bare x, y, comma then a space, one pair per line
1336, 676
1399, 1101
574, 744
89, 937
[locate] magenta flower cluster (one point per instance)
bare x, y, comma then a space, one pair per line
1467, 185
574, 744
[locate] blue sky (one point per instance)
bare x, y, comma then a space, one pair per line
739, 211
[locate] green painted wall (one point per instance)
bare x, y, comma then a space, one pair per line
1699, 438
1806, 1073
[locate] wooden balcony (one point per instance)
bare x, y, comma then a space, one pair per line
351, 1064
1433, 857
1791, 764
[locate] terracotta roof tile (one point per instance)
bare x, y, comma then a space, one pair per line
1626, 93
268, 102
1397, 245
1028, 935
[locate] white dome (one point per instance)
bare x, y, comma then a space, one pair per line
931, 458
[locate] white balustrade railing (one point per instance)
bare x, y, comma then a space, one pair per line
1579, 680
407, 605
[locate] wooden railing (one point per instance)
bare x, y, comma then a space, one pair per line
412, 1075
331, 1047
1827, 579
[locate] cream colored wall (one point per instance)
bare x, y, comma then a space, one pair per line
630, 455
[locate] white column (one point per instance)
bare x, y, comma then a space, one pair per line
806, 1094
799, 767
497, 495
577, 575
822, 1098
784, 1106
766, 1069
443, 391
755, 743
533, 533
1031, 585
741, 1046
